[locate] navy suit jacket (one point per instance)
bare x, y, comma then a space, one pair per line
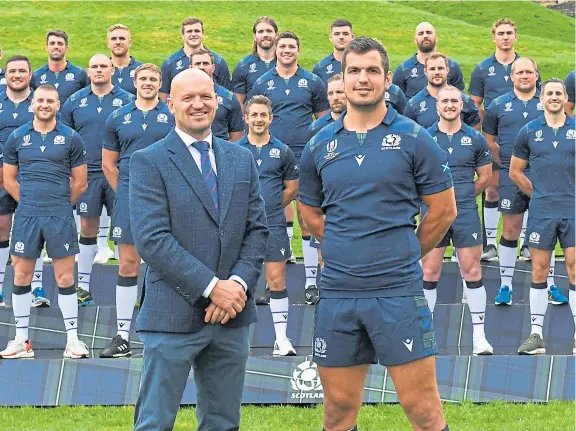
182, 237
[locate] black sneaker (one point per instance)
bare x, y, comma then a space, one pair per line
84, 297
264, 300
118, 348
312, 295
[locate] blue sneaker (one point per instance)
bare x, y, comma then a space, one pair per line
2, 303
556, 296
504, 296
39, 299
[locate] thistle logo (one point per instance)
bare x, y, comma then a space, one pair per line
391, 142
305, 381
466, 140
69, 77
275, 153
83, 207
505, 204
19, 247
162, 118
534, 238
303, 83
59, 140
320, 347
117, 103
116, 232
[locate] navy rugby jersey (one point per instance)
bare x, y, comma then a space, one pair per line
67, 82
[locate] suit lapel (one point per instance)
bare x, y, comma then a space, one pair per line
226, 174
184, 161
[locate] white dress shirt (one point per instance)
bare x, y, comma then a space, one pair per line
189, 140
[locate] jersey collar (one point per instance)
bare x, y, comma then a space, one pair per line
542, 120
298, 71
390, 116
493, 57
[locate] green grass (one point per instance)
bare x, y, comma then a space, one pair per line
495, 416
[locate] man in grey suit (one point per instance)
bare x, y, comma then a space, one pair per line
199, 223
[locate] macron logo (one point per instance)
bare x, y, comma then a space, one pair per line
359, 159
408, 343
475, 235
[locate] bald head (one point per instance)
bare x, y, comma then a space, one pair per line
425, 37
100, 70
193, 102
524, 75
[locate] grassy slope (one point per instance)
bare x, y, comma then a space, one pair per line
496, 416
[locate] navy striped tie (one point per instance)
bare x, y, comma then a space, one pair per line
207, 171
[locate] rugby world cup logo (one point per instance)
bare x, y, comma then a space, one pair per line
538, 136
491, 71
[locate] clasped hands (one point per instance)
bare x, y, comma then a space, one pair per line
228, 299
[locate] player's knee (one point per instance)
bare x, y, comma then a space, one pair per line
276, 280
65, 279
423, 411
492, 194
22, 278
540, 268
431, 272
129, 266
472, 271
89, 227
339, 406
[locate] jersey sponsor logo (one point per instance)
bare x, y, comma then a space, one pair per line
162, 118
259, 162
538, 135
423, 106
69, 77
132, 73
491, 71
555, 143
508, 107
252, 68
59, 140
42, 148
117, 103
571, 134
329, 69
26, 141
83, 103
539, 106
450, 149
303, 83
83, 207
506, 77
466, 140
320, 347
179, 65
534, 238
525, 114
505, 204
275, 153
331, 148
305, 381
359, 159
43, 79
15, 115
117, 232
475, 235
409, 343
271, 85
144, 126
66, 246
282, 250
19, 247
127, 118
99, 109
414, 72
391, 142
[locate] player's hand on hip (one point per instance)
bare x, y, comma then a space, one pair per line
229, 296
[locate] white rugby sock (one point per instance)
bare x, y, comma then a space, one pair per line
4, 254
37, 277
550, 279
523, 231
279, 307
572, 301
310, 261
491, 219
538, 306
88, 250
126, 297
68, 303
507, 256
21, 304
477, 306
431, 294
104, 229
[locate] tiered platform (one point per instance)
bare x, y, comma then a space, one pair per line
50, 380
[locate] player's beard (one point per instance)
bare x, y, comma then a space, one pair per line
427, 49
367, 105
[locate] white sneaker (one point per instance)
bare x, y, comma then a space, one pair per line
76, 350
45, 257
104, 255
482, 347
283, 348
17, 349
292, 258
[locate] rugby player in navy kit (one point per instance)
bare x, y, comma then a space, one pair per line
367, 173
86, 112
340, 35
45, 171
278, 177
133, 127
547, 144
468, 155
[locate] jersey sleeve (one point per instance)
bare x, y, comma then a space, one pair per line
490, 123
290, 170
166, 71
84, 79
571, 86
316, 69
223, 74
256, 89
319, 96
10, 155
239, 83
77, 152
471, 113
1, 156
236, 117
110, 139
398, 78
310, 184
33, 83
521, 145
483, 153
67, 113
456, 77
431, 171
409, 112
401, 101
476, 86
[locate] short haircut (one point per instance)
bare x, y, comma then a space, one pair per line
288, 35
201, 51
503, 21
47, 87
434, 56
449, 88
58, 33
337, 77
19, 58
553, 81
147, 66
340, 22
362, 45
191, 20
258, 100
118, 27
527, 58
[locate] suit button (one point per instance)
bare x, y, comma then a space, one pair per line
221, 233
